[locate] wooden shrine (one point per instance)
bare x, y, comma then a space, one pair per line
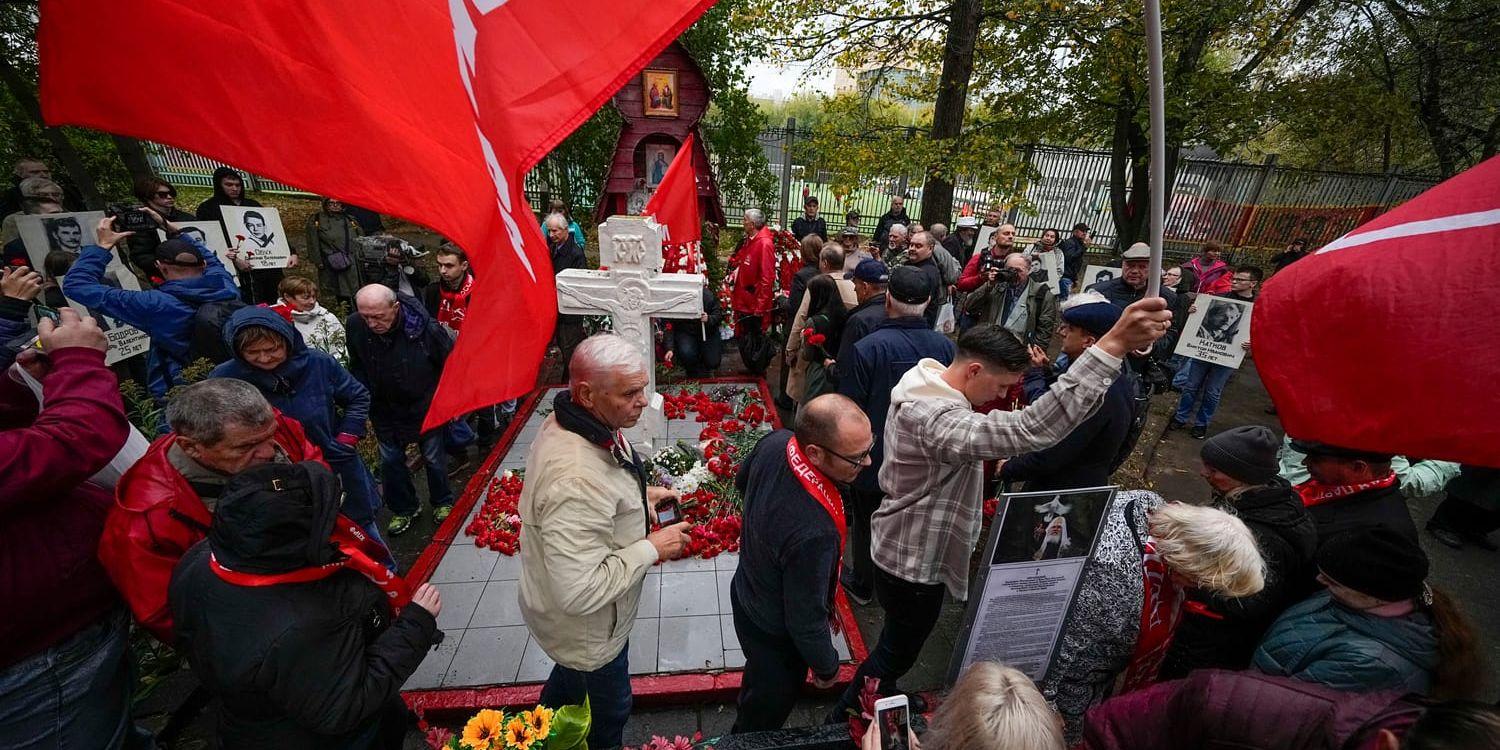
661, 105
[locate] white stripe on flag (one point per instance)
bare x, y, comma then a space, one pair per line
1412, 228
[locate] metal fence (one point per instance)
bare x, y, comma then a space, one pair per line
1237, 204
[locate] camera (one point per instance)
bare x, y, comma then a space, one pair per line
129, 218
668, 513
1005, 274
372, 252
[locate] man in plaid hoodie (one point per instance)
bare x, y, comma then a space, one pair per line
925, 530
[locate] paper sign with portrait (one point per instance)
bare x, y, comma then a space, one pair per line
53, 243
1098, 274
258, 235
211, 234
1216, 331
659, 93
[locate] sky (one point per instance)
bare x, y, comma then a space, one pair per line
779, 82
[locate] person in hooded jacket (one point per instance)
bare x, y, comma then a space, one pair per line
193, 277
287, 619
1378, 626
1219, 632
331, 233
229, 190
311, 387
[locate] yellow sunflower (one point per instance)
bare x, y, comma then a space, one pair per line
518, 735
540, 721
483, 730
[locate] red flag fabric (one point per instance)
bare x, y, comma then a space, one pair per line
426, 110
674, 205
1387, 338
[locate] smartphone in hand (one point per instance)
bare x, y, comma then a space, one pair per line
668, 513
893, 716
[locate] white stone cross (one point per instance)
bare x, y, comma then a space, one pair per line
633, 291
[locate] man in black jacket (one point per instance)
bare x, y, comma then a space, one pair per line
397, 351
288, 621
870, 278
1221, 633
919, 256
1351, 490
1092, 451
810, 222
897, 215
793, 533
260, 285
565, 254
1073, 250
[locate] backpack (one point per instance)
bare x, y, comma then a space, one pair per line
206, 334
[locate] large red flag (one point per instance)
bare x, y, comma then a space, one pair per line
426, 110
1387, 339
674, 205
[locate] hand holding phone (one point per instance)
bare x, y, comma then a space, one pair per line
668, 512
893, 719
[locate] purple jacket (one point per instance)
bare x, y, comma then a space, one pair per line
1245, 710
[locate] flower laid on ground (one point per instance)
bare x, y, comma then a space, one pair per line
734, 419
538, 728
676, 743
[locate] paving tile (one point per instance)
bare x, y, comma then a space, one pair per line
724, 579
643, 641
688, 594
727, 561
459, 600
650, 608
690, 644
731, 639
499, 606
688, 565
464, 563
507, 568
430, 672
734, 659
487, 656
536, 665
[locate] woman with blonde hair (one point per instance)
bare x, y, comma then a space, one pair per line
1150, 552
993, 707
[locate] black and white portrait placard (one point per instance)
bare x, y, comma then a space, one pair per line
258, 234
1216, 331
211, 234
1097, 275
53, 243
1023, 593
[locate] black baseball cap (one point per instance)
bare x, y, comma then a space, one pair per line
909, 285
171, 251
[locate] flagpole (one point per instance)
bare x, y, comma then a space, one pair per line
1158, 144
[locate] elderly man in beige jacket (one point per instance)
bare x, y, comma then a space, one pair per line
586, 539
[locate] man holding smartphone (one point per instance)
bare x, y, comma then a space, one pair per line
792, 536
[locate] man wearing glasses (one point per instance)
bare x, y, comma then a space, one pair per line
159, 196
790, 543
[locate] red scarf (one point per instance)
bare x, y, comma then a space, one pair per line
1314, 492
821, 488
1161, 610
360, 554
453, 305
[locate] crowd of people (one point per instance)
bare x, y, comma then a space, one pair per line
922, 376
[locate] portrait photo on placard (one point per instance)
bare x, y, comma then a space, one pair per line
258, 234
1098, 274
659, 93
1050, 526
1216, 330
49, 241
65, 232
211, 234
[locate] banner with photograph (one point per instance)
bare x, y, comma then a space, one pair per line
1216, 331
1098, 274
211, 234
1046, 269
257, 234
982, 242
1034, 560
53, 242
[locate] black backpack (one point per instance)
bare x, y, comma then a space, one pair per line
206, 335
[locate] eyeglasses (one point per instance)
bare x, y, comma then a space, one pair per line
1242, 280
166, 193
857, 459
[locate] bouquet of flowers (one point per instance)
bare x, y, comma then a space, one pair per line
539, 728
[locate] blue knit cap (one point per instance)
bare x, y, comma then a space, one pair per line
1096, 317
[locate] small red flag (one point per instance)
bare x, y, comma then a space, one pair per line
427, 110
674, 205
1386, 338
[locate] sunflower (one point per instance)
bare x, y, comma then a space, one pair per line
483, 730
540, 721
518, 735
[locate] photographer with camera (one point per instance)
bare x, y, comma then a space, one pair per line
389, 260
159, 196
1009, 299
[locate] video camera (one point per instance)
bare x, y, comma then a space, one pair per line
128, 218
1006, 274
372, 251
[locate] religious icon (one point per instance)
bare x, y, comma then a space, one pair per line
659, 94
658, 157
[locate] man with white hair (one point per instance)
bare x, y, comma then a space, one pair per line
753, 280
896, 241
586, 539
566, 253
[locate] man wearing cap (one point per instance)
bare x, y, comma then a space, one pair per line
965, 235
1073, 249
866, 375
1239, 465
1128, 287
1090, 453
1009, 299
1351, 490
810, 222
869, 278
192, 277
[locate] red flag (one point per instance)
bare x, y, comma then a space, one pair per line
426, 110
1386, 339
674, 205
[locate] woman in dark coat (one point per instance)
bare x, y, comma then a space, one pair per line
331, 233
820, 336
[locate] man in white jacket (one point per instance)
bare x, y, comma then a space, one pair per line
586, 539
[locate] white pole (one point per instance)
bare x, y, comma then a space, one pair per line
1157, 215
